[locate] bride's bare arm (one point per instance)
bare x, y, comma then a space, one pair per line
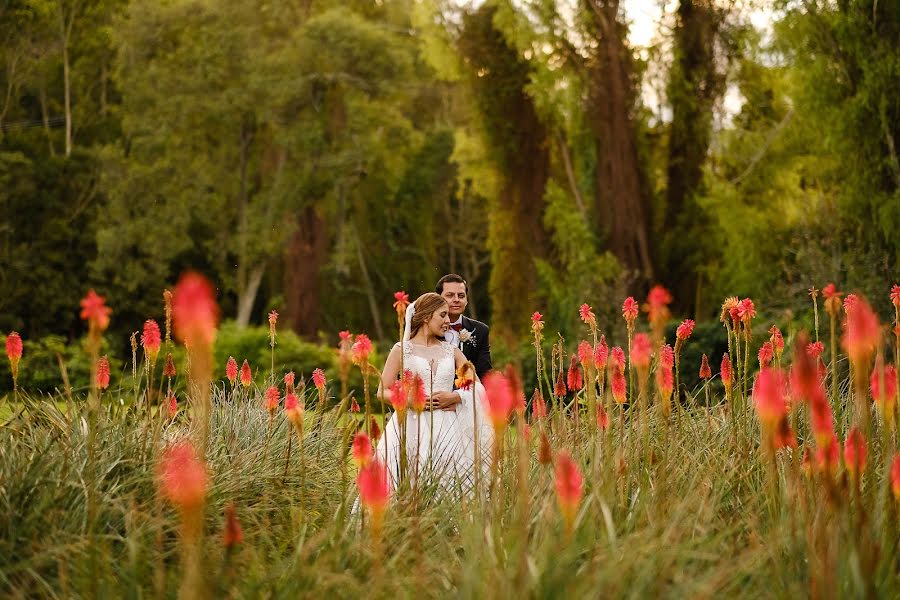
390, 372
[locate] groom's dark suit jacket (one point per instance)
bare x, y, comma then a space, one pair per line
478, 349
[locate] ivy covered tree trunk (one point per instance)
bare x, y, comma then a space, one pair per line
519, 145
694, 86
620, 199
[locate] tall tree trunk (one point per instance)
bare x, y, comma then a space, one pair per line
247, 295
304, 260
694, 86
519, 143
620, 198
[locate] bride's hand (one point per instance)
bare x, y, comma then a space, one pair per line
443, 401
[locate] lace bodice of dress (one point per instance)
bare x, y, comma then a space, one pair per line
421, 359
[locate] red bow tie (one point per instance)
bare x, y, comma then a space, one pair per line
456, 327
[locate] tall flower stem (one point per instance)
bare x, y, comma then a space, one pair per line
835, 390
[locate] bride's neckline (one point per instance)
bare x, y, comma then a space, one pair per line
437, 345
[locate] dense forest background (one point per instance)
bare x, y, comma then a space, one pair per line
315, 156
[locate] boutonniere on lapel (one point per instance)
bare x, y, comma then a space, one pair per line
466, 337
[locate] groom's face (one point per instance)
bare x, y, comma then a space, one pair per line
457, 298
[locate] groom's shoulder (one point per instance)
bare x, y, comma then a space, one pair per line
478, 324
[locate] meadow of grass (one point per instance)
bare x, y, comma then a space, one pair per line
697, 501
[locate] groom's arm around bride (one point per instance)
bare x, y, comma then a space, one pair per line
471, 336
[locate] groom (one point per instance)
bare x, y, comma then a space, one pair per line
470, 335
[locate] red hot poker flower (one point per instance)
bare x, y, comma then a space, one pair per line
630, 310
273, 318
569, 486
293, 410
273, 398
289, 382
705, 371
173, 405
768, 396
536, 324
14, 352
169, 367
640, 352
601, 354
231, 370
103, 373
362, 449
398, 397
765, 355
195, 311
498, 399
354, 405
318, 378
151, 340
832, 299
619, 386
361, 349
895, 477
617, 359
232, 535
665, 381
401, 301
602, 418
374, 429
418, 396
895, 296
95, 311
374, 488
684, 330
574, 379
538, 406
777, 341
725, 371
746, 310
815, 349
246, 374
587, 315
182, 477
559, 388
885, 395
861, 331
585, 354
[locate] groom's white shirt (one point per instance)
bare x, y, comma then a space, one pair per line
452, 335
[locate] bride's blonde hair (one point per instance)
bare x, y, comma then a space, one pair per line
426, 305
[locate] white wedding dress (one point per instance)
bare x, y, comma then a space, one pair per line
440, 444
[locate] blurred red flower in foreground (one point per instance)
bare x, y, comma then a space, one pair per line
374, 487
182, 476
498, 399
362, 449
855, 453
232, 534
95, 311
569, 487
195, 311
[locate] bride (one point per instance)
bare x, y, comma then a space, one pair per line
440, 442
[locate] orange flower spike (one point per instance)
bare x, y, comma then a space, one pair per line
832, 299
601, 354
585, 354
665, 380
498, 399
885, 395
777, 341
399, 399
569, 487
418, 396
232, 534
587, 315
602, 418
151, 340
95, 311
630, 311
319, 380
705, 371
273, 398
374, 489
182, 477
465, 376
103, 373
289, 382
559, 389
354, 405
765, 355
246, 374
861, 331
768, 397
855, 453
895, 296
537, 325
293, 410
14, 352
640, 353
361, 449
725, 372
231, 370
374, 429
361, 349
538, 405
401, 301
515, 384
545, 452
574, 378
169, 367
195, 311
173, 405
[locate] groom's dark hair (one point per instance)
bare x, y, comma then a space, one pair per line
451, 278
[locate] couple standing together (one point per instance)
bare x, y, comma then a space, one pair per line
437, 340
